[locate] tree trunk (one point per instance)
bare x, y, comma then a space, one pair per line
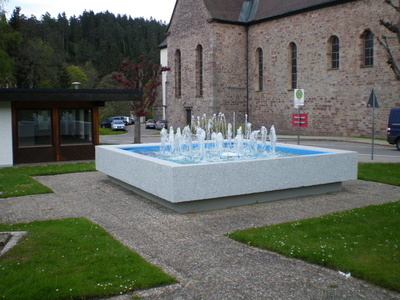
136, 131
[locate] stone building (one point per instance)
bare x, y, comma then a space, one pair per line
247, 57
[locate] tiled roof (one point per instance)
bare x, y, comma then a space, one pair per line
273, 8
224, 10
255, 10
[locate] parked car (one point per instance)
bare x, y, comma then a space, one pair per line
393, 129
107, 123
129, 120
160, 124
117, 125
150, 123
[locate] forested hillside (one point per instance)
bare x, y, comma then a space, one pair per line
54, 52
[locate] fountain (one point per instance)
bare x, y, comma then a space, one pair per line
204, 167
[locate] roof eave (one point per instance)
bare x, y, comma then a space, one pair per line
295, 12
217, 20
62, 95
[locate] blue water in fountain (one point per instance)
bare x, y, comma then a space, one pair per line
191, 147
211, 154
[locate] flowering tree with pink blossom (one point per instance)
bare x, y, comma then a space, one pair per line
145, 75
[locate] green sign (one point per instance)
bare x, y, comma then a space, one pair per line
298, 98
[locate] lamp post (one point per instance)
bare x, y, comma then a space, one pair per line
76, 84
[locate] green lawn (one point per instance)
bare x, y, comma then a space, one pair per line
17, 181
66, 259
380, 172
72, 259
364, 241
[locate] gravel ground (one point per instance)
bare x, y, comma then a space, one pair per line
192, 247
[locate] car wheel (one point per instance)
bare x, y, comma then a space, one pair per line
398, 144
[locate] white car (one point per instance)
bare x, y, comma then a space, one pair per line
117, 125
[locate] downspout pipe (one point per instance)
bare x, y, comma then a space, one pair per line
247, 71
249, 9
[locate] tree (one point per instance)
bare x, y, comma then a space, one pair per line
9, 42
383, 41
63, 79
144, 76
91, 75
97, 43
34, 65
77, 75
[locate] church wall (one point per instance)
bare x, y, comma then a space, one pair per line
188, 29
224, 65
335, 100
229, 79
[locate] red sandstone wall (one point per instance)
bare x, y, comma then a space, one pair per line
334, 99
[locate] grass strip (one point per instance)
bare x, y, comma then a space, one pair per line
109, 131
363, 241
380, 172
72, 259
17, 181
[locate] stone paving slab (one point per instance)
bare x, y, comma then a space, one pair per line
192, 247
4, 238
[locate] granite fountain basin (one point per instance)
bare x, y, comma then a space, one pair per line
208, 186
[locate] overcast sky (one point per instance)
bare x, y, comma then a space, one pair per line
160, 10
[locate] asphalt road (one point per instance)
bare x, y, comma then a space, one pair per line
382, 151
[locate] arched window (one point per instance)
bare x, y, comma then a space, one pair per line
334, 52
199, 70
293, 65
260, 68
368, 49
178, 74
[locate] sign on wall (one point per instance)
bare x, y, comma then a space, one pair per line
298, 98
300, 120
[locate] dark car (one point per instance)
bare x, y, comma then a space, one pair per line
150, 123
393, 129
107, 123
160, 124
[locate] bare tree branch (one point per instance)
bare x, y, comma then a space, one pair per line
397, 8
391, 27
384, 43
391, 61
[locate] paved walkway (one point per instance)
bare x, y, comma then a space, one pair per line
192, 247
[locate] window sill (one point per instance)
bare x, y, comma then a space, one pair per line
35, 146
77, 144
